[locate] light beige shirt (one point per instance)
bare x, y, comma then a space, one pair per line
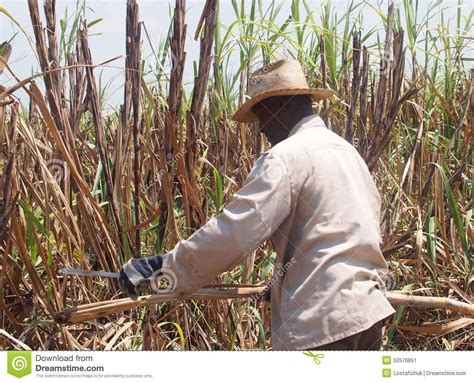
314, 197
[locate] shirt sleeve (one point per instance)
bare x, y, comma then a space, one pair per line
255, 212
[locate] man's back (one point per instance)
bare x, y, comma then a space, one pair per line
313, 196
323, 287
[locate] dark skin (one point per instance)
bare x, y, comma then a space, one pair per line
279, 114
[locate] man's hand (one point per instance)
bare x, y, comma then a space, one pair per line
137, 272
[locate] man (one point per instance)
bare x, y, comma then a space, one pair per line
314, 197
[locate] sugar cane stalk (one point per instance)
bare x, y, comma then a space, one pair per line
100, 309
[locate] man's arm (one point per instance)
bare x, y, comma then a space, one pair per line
255, 212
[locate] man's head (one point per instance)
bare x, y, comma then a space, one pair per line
284, 79
277, 115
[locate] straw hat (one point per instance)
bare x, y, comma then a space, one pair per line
280, 78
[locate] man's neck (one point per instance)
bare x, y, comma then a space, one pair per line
298, 118
285, 131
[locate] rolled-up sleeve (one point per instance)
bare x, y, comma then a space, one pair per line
255, 212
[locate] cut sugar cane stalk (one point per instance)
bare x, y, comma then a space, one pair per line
431, 302
100, 309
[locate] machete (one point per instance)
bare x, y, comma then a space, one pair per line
152, 281
86, 273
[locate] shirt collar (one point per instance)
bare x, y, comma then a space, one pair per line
307, 122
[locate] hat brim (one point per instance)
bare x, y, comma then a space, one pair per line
245, 114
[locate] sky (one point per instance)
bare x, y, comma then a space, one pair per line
107, 36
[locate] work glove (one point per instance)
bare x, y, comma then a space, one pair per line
138, 273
